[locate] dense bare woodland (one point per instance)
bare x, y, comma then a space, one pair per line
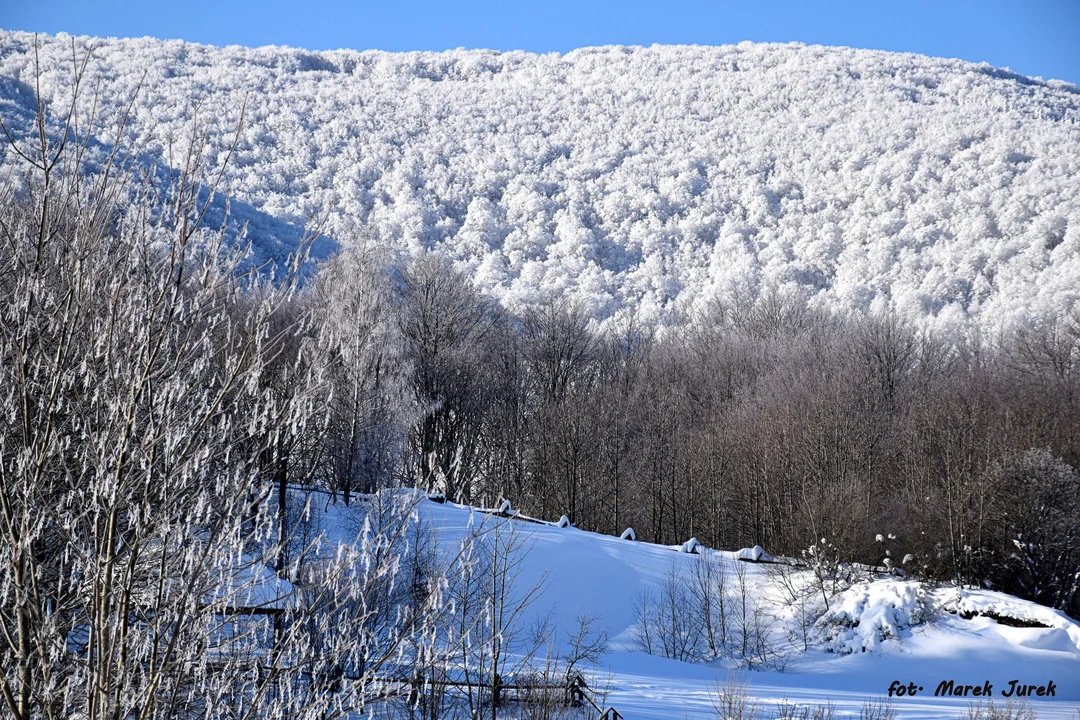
159, 399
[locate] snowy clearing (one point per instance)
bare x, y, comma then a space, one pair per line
876, 632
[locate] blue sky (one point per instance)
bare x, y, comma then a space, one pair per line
1033, 37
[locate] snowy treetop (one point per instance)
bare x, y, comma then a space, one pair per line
639, 181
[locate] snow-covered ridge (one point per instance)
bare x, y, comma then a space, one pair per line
637, 180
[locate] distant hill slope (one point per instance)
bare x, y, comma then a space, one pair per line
639, 180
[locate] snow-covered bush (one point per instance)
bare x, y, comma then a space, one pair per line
866, 615
823, 558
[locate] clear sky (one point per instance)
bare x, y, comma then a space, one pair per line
1033, 37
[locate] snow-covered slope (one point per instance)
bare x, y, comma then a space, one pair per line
639, 180
875, 632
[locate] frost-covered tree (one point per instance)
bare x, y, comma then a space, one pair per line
142, 558
363, 352
493, 597
447, 329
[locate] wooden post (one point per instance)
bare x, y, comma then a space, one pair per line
575, 691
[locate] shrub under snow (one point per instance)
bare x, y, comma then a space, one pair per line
868, 614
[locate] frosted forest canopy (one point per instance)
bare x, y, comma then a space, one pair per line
636, 181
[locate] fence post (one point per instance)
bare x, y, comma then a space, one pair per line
575, 691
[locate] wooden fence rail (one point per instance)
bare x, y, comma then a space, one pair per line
576, 692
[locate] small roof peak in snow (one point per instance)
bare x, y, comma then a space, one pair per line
690, 546
755, 554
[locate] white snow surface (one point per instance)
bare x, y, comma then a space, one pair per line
874, 633
637, 180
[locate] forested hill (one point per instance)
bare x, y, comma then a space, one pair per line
638, 180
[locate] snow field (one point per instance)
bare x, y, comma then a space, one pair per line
875, 632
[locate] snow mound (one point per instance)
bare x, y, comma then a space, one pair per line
1009, 610
628, 534
690, 546
754, 554
868, 614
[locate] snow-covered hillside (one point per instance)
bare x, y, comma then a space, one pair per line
877, 630
638, 180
